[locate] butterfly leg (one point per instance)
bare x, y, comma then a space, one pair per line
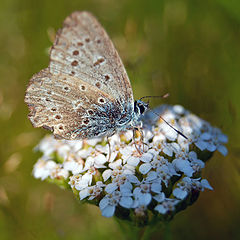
139, 129
135, 143
110, 152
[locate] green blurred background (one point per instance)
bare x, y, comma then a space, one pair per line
190, 49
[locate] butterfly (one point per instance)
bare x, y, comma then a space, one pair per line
85, 91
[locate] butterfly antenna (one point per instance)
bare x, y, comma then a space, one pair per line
170, 125
163, 96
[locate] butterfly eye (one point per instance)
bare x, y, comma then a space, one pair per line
141, 108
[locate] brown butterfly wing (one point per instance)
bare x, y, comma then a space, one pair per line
84, 50
69, 110
85, 90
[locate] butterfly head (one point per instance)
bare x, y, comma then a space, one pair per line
140, 107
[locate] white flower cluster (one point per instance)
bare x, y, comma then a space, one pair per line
155, 172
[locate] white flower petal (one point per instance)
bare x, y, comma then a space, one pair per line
222, 138
179, 193
133, 179
108, 211
126, 152
159, 197
87, 177
126, 187
80, 185
159, 138
201, 144
151, 176
145, 199
89, 162
103, 203
178, 109
223, 150
161, 209
126, 202
146, 157
183, 166
136, 191
84, 153
171, 134
205, 184
93, 141
83, 193
111, 187
211, 147
102, 149
156, 187
107, 174
113, 155
115, 164
133, 161
192, 155
176, 147
206, 136
168, 151
100, 159
145, 168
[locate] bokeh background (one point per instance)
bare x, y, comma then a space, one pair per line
190, 49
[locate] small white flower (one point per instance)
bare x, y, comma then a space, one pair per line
120, 182
97, 162
165, 204
164, 173
197, 165
108, 204
84, 153
79, 181
159, 197
142, 195
133, 161
140, 211
74, 179
43, 168
187, 184
73, 165
93, 141
183, 166
92, 192
59, 172
179, 109
180, 193
103, 149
